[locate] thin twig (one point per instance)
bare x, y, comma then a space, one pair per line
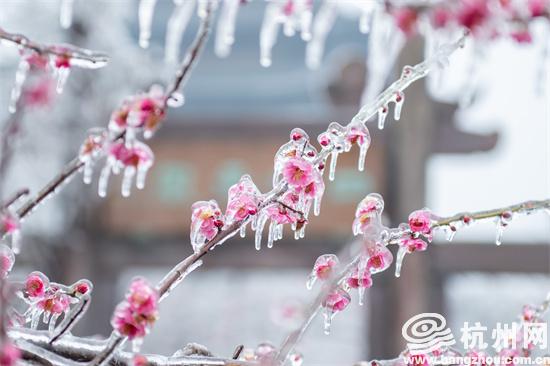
95, 59
16, 196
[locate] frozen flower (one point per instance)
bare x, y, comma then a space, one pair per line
82, 287
55, 303
324, 266
36, 284
142, 297
440, 17
36, 60
7, 259
538, 8
379, 257
369, 208
139, 360
147, 110
522, 36
9, 354
40, 93
298, 172
119, 117
206, 221
135, 156
473, 13
134, 316
243, 200
358, 134
413, 244
529, 313
405, 19
337, 300
420, 221
359, 279
10, 223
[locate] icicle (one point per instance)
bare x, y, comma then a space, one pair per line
364, 23
35, 318
336, 301
328, 315
189, 269
225, 34
53, 321
242, 230
271, 235
332, 167
146, 11
127, 180
66, 13
362, 157
399, 99
268, 33
450, 232
382, 114
62, 74
103, 181
176, 27
399, 260
136, 344
88, 172
502, 222
259, 230
306, 18
20, 76
323, 23
46, 317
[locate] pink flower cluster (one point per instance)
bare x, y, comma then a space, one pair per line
135, 315
420, 222
49, 298
137, 156
484, 18
144, 111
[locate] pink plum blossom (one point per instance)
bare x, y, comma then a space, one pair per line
36, 285
9, 354
82, 287
358, 134
369, 208
337, 300
135, 156
7, 259
441, 17
359, 279
137, 313
298, 172
206, 221
10, 223
324, 265
55, 303
140, 360
538, 8
243, 200
529, 313
379, 257
40, 93
413, 244
420, 221
406, 19
473, 13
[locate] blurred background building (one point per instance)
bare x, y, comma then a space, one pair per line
489, 153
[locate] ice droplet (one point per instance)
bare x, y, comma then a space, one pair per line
328, 315
176, 28
20, 76
450, 232
382, 114
175, 100
62, 74
66, 13
127, 179
145, 14
242, 230
502, 222
332, 166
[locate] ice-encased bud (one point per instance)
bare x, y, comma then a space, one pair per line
322, 269
7, 259
243, 200
379, 257
368, 211
503, 221
265, 352
206, 222
336, 301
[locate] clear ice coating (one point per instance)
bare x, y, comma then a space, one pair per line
382, 114
398, 99
134, 161
265, 352
360, 279
293, 15
379, 257
368, 212
334, 141
145, 15
91, 150
336, 301
66, 13
20, 77
297, 146
502, 222
176, 28
7, 260
61, 75
357, 133
206, 221
242, 202
51, 301
225, 33
322, 269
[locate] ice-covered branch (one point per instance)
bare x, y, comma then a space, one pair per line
374, 257
85, 349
